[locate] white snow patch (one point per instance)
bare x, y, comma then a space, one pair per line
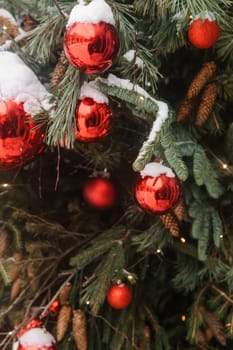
205, 15
94, 12
19, 83
131, 56
89, 90
36, 336
156, 169
4, 13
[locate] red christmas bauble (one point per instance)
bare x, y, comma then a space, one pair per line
35, 339
157, 194
119, 296
93, 120
203, 33
100, 193
20, 142
91, 47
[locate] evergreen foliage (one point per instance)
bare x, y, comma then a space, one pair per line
182, 286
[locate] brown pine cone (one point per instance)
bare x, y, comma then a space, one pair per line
28, 22
11, 30
185, 109
65, 294
170, 222
207, 103
15, 288
179, 210
63, 321
80, 329
202, 77
59, 70
215, 325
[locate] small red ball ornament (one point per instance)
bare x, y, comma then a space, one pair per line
93, 120
91, 47
34, 337
119, 296
203, 33
100, 193
158, 190
20, 142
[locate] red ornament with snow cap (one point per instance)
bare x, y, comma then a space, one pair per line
93, 115
35, 337
204, 31
22, 97
158, 190
91, 42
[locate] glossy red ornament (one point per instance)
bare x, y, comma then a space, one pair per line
100, 193
93, 120
19, 141
203, 33
54, 307
157, 194
119, 296
91, 47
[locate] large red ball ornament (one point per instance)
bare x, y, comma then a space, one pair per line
91, 47
100, 193
93, 120
35, 339
119, 296
203, 33
157, 194
20, 141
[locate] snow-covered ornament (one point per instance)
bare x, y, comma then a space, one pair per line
34, 337
91, 41
204, 30
22, 96
93, 114
158, 190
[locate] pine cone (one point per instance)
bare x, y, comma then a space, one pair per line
28, 22
65, 294
202, 77
11, 30
170, 222
15, 288
185, 109
179, 210
80, 329
215, 325
63, 320
4, 241
59, 70
207, 103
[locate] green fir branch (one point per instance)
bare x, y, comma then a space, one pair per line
46, 37
62, 125
173, 154
146, 105
98, 246
95, 292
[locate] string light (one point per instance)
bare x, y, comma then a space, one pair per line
130, 277
142, 98
221, 236
4, 27
183, 240
224, 166
5, 185
158, 251
183, 318
87, 302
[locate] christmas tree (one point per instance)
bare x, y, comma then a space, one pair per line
116, 139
